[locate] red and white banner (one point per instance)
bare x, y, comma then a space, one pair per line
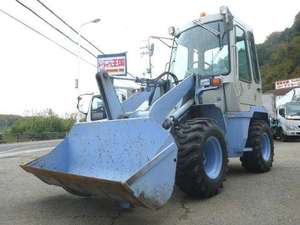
113, 64
280, 84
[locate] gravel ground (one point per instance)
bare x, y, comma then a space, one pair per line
264, 199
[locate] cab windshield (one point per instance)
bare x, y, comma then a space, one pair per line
201, 52
293, 109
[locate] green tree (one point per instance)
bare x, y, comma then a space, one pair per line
279, 55
43, 125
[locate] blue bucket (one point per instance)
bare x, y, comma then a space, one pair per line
130, 160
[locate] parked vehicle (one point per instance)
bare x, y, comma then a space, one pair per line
285, 113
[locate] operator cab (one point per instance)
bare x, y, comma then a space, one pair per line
220, 46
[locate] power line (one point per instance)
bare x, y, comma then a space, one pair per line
68, 25
40, 17
73, 29
44, 36
55, 28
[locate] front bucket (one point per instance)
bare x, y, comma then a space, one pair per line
131, 160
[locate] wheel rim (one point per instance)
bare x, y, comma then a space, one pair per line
265, 146
213, 160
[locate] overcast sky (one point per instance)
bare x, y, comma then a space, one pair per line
35, 74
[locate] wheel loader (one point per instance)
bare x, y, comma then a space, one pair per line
204, 109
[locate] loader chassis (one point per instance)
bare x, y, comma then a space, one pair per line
199, 113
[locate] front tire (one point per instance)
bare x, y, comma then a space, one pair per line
202, 157
260, 159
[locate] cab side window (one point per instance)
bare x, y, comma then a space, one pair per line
243, 60
254, 60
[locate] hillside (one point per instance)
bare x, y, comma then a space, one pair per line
279, 55
7, 121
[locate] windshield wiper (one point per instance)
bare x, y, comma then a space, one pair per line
209, 29
218, 34
197, 23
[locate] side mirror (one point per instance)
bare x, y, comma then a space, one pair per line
83, 103
227, 17
227, 21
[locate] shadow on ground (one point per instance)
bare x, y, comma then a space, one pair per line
64, 208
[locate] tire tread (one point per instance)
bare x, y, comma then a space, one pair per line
253, 161
190, 137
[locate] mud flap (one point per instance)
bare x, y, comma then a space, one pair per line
132, 160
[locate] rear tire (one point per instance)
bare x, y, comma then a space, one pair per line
260, 159
202, 157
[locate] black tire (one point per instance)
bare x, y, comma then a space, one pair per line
191, 177
281, 135
255, 160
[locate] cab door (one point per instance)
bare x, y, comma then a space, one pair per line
255, 70
247, 88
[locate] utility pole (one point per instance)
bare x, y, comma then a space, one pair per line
77, 85
148, 50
